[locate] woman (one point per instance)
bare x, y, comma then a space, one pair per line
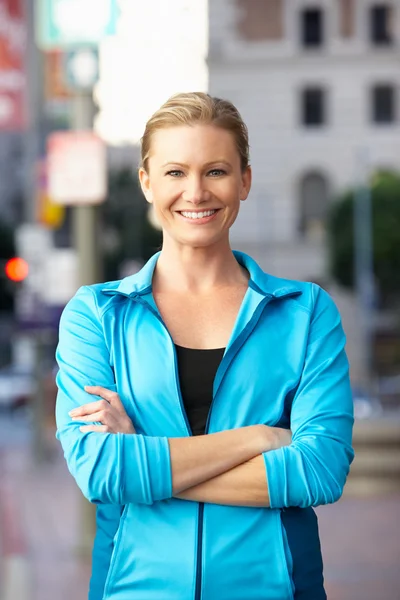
222, 409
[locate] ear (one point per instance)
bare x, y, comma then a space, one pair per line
144, 179
246, 183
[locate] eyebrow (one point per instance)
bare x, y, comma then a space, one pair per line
212, 162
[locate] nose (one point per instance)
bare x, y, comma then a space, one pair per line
195, 191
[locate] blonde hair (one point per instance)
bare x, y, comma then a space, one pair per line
197, 108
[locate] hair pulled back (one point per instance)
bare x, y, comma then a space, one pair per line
195, 108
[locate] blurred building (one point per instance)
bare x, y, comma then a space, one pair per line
12, 107
159, 49
317, 84
11, 177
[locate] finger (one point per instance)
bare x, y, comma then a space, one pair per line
98, 428
97, 390
88, 409
100, 416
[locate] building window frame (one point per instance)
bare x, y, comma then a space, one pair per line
313, 106
313, 27
346, 19
383, 104
380, 24
312, 215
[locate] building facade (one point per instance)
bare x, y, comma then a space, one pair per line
318, 86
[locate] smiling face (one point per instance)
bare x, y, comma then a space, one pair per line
195, 182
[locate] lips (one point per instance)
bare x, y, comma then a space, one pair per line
200, 214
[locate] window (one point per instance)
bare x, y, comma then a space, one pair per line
347, 18
312, 27
260, 20
314, 205
383, 104
380, 24
313, 107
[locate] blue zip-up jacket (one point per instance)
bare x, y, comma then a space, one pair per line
284, 365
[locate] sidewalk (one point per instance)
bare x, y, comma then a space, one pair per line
360, 539
39, 530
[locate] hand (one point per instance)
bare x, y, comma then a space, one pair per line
276, 437
109, 411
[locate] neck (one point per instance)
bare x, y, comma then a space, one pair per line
198, 270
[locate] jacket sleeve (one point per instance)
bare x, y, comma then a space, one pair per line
314, 468
109, 468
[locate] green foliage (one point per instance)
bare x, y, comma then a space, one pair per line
385, 199
127, 231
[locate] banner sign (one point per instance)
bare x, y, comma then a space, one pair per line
55, 88
65, 24
77, 168
12, 65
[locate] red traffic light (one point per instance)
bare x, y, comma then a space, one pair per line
17, 269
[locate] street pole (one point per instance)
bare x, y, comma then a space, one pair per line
32, 149
363, 265
84, 217
84, 221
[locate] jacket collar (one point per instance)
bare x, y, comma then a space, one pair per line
265, 284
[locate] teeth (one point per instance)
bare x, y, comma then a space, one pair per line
198, 215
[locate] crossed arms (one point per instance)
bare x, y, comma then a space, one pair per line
250, 466
221, 468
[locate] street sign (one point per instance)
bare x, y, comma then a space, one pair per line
34, 243
77, 168
81, 68
70, 23
61, 276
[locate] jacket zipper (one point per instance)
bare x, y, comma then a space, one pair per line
199, 561
178, 387
243, 336
201, 504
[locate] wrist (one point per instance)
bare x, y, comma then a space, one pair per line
129, 428
276, 437
270, 438
265, 438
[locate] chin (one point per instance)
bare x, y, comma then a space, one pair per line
200, 241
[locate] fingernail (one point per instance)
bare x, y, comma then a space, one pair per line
72, 413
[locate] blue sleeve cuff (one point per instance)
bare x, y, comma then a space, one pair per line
150, 477
275, 467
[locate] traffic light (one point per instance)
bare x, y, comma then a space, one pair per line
13, 271
7, 251
16, 269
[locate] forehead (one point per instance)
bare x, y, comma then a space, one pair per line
192, 143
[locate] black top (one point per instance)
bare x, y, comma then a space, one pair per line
197, 369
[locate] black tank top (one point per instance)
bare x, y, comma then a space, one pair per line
197, 369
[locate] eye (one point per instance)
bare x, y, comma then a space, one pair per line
175, 173
216, 172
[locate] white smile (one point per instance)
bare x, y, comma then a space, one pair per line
198, 215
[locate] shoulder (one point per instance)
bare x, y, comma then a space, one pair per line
312, 298
305, 295
93, 300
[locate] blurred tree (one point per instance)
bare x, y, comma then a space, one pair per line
385, 199
7, 250
127, 233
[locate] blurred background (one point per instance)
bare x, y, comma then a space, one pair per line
318, 84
